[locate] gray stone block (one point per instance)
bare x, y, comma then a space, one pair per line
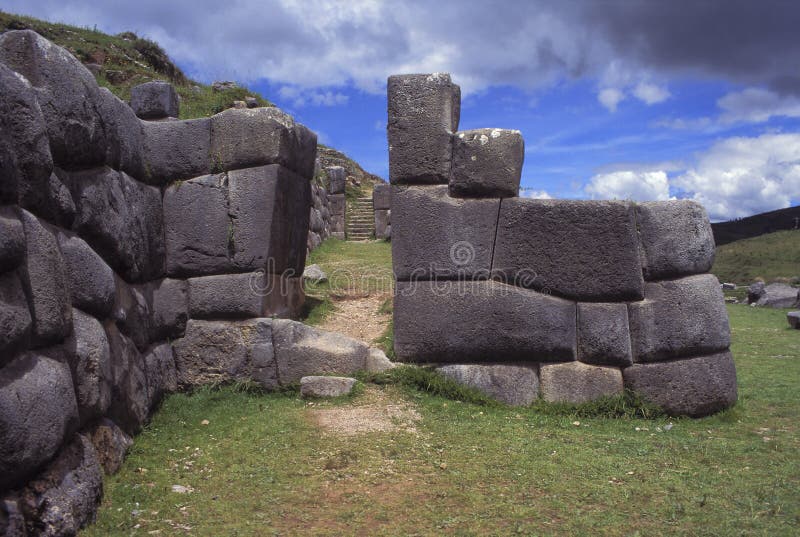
479, 322
576, 382
111, 445
91, 281
603, 334
124, 137
44, 273
313, 386
382, 196
337, 177
130, 404
176, 150
487, 163
779, 295
676, 239
121, 219
584, 250
437, 236
159, 368
12, 239
224, 351
515, 385
243, 138
283, 297
679, 318
155, 100
301, 350
37, 412
793, 317
52, 200
381, 223
169, 309
131, 312
338, 204
226, 296
377, 362
693, 387
423, 113
15, 317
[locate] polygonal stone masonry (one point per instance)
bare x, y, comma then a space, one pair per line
155, 100
487, 163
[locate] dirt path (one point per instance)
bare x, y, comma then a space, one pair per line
374, 411
358, 318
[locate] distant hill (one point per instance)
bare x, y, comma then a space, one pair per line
753, 226
770, 257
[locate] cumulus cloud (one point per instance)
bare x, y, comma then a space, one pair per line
534, 194
610, 98
650, 93
635, 185
757, 105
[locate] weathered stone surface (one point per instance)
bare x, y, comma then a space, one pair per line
129, 400
382, 197
226, 296
694, 387
155, 100
12, 521
479, 322
169, 309
222, 351
313, 386
283, 297
301, 350
439, 236
515, 385
37, 411
124, 136
676, 238
794, 319
44, 273
603, 335
111, 445
423, 113
679, 318
243, 138
755, 291
585, 250
15, 317
65, 496
91, 281
159, 368
52, 200
315, 220
315, 274
487, 163
132, 313
121, 219
12, 239
377, 362
381, 224
175, 150
779, 295
576, 382
337, 177
338, 204
67, 93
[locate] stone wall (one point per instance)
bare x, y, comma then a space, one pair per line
337, 179
381, 204
568, 300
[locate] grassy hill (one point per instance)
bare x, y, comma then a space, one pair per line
771, 257
753, 226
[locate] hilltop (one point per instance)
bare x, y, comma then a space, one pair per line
753, 226
770, 257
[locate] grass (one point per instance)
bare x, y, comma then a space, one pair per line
771, 257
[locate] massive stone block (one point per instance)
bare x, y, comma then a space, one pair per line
244, 138
162, 377
487, 163
111, 445
176, 150
515, 385
603, 334
51, 200
694, 387
423, 113
439, 236
676, 239
12, 239
679, 318
283, 297
585, 250
223, 351
169, 308
382, 223
226, 296
44, 273
479, 322
124, 137
91, 281
382, 197
37, 411
130, 402
337, 177
121, 219
132, 313
15, 316
576, 382
154, 100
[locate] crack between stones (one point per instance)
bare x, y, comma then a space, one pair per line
494, 242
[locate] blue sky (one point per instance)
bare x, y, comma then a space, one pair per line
615, 99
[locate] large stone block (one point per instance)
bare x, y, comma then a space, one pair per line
111, 445
301, 350
576, 382
155, 100
159, 368
52, 200
224, 351
176, 150
121, 219
130, 402
676, 239
694, 387
584, 250
381, 223
779, 295
226, 296
169, 308
480, 322
423, 113
132, 313
67, 93
12, 239
515, 385
124, 137
15, 317
603, 334
337, 178
91, 281
338, 204
326, 386
243, 138
44, 273
37, 411
487, 163
283, 296
382, 197
679, 318
436, 236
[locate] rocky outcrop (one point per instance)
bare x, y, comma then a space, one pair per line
774, 295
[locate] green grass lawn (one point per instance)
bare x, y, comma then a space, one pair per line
775, 256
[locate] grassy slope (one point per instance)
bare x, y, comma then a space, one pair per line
775, 256
260, 468
753, 226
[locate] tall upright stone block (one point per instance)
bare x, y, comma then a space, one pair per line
487, 163
337, 177
382, 197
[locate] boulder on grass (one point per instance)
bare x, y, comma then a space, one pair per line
111, 445
794, 319
155, 100
779, 295
326, 386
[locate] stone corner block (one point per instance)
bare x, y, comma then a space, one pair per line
487, 163
603, 334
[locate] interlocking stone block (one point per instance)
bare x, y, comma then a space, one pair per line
436, 235
382, 197
91, 280
382, 222
576, 382
423, 113
584, 250
159, 368
111, 445
603, 334
313, 386
169, 308
12, 239
479, 322
176, 150
15, 317
130, 403
125, 148
515, 385
155, 100
487, 163
226, 296
337, 177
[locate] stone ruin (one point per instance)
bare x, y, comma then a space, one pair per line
337, 180
564, 299
382, 205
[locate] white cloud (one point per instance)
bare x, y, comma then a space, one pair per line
650, 93
300, 97
757, 105
610, 98
534, 194
637, 185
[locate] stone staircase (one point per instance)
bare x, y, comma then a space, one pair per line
360, 220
